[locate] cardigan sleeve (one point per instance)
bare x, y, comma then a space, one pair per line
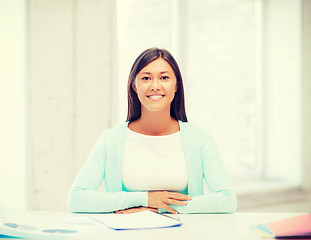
83, 195
221, 197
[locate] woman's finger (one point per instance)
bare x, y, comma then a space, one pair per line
179, 196
176, 202
168, 208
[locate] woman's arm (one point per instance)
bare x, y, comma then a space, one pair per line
221, 201
221, 197
92, 201
84, 197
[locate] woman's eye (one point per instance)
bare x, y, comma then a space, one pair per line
165, 77
146, 78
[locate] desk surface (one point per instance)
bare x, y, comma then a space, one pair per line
195, 226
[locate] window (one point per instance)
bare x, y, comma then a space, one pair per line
221, 47
221, 77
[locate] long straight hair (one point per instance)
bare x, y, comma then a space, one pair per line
178, 111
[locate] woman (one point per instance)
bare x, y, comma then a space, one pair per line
155, 160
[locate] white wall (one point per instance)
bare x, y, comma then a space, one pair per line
282, 89
306, 94
70, 75
12, 104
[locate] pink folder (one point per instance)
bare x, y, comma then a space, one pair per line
299, 226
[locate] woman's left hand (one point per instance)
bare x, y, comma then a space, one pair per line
135, 209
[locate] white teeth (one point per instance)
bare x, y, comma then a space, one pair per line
155, 97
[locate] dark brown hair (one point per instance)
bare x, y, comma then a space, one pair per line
177, 105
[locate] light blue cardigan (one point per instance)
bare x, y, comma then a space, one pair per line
104, 164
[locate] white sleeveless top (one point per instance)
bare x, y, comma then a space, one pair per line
154, 163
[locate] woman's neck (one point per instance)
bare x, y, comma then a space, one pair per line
155, 124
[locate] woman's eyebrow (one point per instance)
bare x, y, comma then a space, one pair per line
151, 74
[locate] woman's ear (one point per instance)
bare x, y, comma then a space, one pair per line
134, 86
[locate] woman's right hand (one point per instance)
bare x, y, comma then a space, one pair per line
161, 199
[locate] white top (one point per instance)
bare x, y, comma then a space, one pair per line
154, 163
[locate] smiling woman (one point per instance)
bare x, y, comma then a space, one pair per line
156, 160
155, 86
155, 83
152, 91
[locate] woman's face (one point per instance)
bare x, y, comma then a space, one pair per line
155, 86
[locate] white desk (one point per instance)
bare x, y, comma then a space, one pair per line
195, 226
202, 226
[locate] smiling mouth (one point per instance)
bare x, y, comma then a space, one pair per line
155, 97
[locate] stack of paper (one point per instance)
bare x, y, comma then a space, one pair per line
299, 226
140, 220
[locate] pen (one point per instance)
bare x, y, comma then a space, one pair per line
175, 217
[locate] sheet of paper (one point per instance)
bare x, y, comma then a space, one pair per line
140, 220
46, 227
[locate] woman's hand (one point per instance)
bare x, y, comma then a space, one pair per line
136, 209
161, 199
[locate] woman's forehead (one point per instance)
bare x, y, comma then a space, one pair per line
157, 66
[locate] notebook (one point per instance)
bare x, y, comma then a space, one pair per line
140, 220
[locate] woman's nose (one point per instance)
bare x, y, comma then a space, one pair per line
155, 85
